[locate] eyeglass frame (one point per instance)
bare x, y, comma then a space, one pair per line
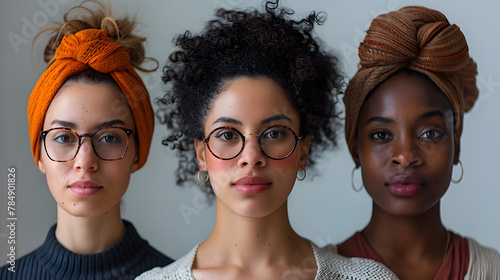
43, 135
259, 137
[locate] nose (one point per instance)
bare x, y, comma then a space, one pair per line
252, 155
406, 153
86, 159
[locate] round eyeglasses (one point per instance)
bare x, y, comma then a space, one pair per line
109, 143
276, 142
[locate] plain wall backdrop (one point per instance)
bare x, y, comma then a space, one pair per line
324, 209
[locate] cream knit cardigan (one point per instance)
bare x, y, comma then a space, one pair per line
330, 266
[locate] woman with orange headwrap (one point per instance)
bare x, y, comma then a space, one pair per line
90, 125
404, 118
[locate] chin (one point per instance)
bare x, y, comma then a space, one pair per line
257, 210
408, 211
84, 209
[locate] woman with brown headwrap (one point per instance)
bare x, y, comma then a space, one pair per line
90, 124
404, 118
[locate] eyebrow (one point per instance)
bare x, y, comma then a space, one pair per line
73, 125
275, 118
227, 120
380, 119
421, 117
264, 121
111, 123
63, 123
431, 114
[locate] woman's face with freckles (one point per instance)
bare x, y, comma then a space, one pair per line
87, 185
251, 184
406, 145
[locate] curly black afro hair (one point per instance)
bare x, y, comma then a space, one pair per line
249, 43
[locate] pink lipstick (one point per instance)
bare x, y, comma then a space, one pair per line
85, 188
252, 185
404, 190
405, 185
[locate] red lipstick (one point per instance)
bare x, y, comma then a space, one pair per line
85, 188
252, 185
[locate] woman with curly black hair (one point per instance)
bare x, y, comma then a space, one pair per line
252, 101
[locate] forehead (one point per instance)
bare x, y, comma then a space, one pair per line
251, 99
88, 104
402, 92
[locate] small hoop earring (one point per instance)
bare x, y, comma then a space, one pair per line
302, 179
199, 177
461, 175
352, 181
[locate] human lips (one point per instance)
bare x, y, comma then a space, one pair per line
405, 185
252, 185
85, 188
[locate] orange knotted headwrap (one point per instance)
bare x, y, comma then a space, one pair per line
92, 48
420, 39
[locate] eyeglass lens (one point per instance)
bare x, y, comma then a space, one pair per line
277, 142
108, 143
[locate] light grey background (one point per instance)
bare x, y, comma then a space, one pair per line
326, 209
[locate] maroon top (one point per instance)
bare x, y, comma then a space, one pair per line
455, 265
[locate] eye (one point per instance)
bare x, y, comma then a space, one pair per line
432, 134
64, 138
110, 137
380, 135
274, 133
227, 135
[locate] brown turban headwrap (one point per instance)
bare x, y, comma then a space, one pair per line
419, 39
76, 53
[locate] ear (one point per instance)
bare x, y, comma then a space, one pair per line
41, 166
135, 165
199, 147
355, 152
456, 142
305, 147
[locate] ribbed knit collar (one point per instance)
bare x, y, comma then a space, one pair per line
112, 263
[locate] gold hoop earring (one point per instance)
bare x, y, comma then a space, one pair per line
461, 175
352, 181
302, 179
199, 177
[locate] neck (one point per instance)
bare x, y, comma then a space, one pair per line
89, 235
407, 237
244, 241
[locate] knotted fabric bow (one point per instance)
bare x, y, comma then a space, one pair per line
420, 39
92, 48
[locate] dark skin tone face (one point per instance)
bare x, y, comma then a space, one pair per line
406, 146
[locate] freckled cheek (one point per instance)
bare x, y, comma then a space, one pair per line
285, 165
217, 165
55, 178
221, 172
